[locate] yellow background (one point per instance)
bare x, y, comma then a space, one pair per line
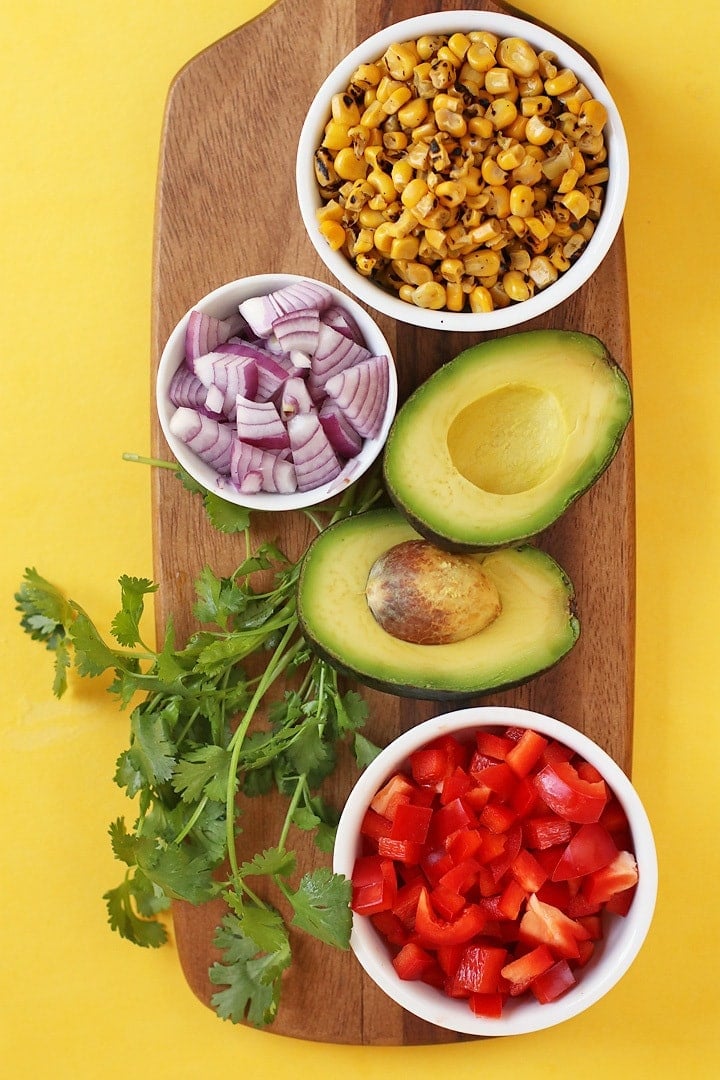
82, 86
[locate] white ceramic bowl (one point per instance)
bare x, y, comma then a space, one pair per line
221, 303
613, 956
516, 313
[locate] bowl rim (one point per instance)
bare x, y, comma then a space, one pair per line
626, 935
216, 302
515, 314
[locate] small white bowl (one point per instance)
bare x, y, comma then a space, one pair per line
613, 956
449, 22
223, 302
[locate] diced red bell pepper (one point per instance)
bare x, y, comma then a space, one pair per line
497, 817
464, 844
435, 862
411, 823
544, 924
449, 957
527, 871
429, 766
511, 900
553, 982
480, 969
501, 863
524, 797
374, 825
488, 1005
525, 753
591, 848
619, 875
476, 797
412, 961
432, 931
554, 752
493, 745
586, 950
457, 784
448, 819
404, 851
397, 790
406, 903
447, 902
521, 971
621, 902
547, 831
390, 927
461, 877
499, 777
374, 883
569, 796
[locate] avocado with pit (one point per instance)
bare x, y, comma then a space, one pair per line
499, 442
517, 622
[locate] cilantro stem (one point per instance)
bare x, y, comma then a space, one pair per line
299, 789
159, 462
192, 820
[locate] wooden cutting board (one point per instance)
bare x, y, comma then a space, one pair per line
226, 208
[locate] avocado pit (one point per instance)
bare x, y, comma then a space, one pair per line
421, 594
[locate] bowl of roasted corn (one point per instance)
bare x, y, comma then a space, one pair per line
462, 170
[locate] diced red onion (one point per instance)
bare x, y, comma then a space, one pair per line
251, 482
342, 321
334, 353
298, 330
342, 436
259, 424
271, 376
278, 473
231, 374
295, 398
209, 439
316, 462
261, 311
186, 390
204, 332
362, 392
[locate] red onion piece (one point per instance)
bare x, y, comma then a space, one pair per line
204, 332
271, 376
261, 311
342, 321
278, 474
298, 330
362, 392
342, 436
209, 439
295, 398
231, 374
334, 354
315, 460
259, 424
186, 390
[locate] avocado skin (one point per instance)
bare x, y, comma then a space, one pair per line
444, 535
418, 688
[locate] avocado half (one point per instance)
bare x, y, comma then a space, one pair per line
499, 442
536, 627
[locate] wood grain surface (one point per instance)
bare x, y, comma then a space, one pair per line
226, 208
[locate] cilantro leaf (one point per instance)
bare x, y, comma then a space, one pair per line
180, 874
364, 750
321, 907
225, 516
272, 861
249, 994
203, 771
152, 753
123, 906
46, 614
126, 623
264, 925
92, 655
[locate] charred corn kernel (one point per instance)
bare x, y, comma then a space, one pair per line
587, 228
422, 83
424, 133
430, 295
337, 135
366, 76
382, 183
558, 160
373, 155
417, 155
472, 81
573, 101
446, 53
577, 203
568, 180
482, 126
394, 140
516, 54
344, 109
459, 44
491, 171
451, 122
442, 73
331, 211
394, 101
450, 192
384, 237
537, 131
593, 116
428, 45
480, 57
512, 156
418, 273
473, 181
533, 86
482, 264
358, 195
333, 233
435, 240
519, 259
577, 162
516, 130
405, 247
541, 225
573, 246
413, 112
502, 112
364, 242
529, 172
498, 204
452, 269
404, 223
324, 166
405, 292
515, 286
485, 233
400, 60
598, 157
402, 173
518, 226
558, 260
598, 176
454, 296
547, 64
480, 300
500, 81
348, 166
369, 218
374, 115
378, 202
522, 200
416, 190
447, 101
366, 264
564, 80
537, 105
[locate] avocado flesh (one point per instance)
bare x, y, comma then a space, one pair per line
535, 628
497, 444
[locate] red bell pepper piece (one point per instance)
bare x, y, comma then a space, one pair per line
411, 823
432, 931
568, 795
412, 961
493, 745
591, 848
553, 982
544, 924
547, 831
521, 971
525, 753
488, 1005
620, 874
480, 969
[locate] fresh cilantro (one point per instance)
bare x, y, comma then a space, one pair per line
322, 907
225, 516
124, 904
251, 979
